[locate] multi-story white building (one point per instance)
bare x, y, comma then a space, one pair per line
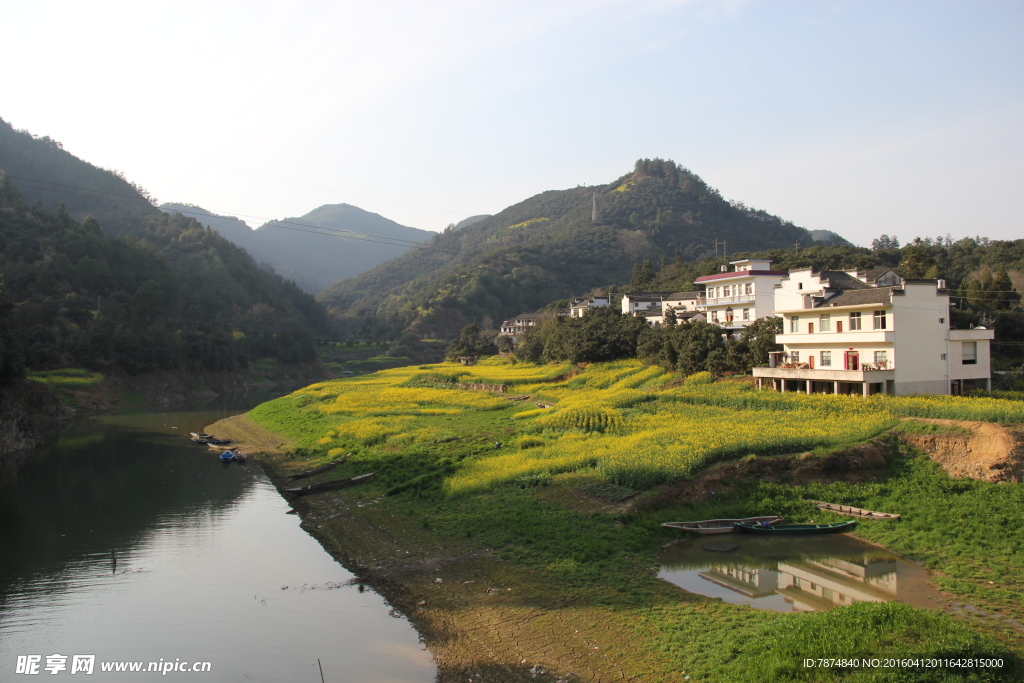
521, 323
734, 299
843, 335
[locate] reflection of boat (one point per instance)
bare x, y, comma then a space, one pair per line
854, 512
318, 470
330, 485
796, 529
720, 526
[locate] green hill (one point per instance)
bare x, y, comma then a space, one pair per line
548, 247
156, 292
313, 261
45, 172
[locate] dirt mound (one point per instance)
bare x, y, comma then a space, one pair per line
985, 451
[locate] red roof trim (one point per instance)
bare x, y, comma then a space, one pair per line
741, 273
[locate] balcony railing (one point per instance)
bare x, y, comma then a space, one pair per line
717, 300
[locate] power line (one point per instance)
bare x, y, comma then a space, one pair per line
315, 229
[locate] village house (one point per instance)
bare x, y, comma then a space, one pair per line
578, 308
518, 325
638, 302
844, 334
736, 298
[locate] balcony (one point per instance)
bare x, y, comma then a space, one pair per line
867, 373
844, 338
725, 300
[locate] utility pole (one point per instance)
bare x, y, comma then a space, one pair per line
723, 243
593, 211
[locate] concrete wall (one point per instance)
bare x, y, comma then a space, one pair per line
920, 339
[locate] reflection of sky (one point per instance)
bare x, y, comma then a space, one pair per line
840, 571
204, 582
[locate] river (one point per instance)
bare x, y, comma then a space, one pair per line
123, 540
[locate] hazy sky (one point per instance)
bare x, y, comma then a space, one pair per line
859, 117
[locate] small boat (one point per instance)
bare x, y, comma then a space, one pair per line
854, 512
200, 435
720, 526
227, 456
239, 456
318, 470
797, 529
330, 485
211, 440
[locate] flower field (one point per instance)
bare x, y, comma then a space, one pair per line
617, 419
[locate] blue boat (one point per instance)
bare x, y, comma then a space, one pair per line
227, 455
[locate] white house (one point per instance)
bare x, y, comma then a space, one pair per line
735, 298
843, 335
638, 302
578, 308
518, 325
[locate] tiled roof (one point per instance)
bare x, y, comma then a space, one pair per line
874, 273
841, 280
858, 297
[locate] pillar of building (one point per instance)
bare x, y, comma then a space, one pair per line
867, 389
810, 387
782, 386
835, 387
988, 384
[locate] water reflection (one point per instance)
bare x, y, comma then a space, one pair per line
125, 540
797, 574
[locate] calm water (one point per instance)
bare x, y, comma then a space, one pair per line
209, 565
796, 574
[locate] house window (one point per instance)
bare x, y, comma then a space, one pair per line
746, 314
942, 356
750, 288
826, 359
794, 356
794, 324
826, 323
728, 315
854, 321
725, 290
970, 353
880, 359
942, 321
714, 316
799, 285
879, 318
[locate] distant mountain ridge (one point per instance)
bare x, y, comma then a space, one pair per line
314, 261
552, 246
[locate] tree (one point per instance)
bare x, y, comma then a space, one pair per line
885, 242
11, 359
759, 340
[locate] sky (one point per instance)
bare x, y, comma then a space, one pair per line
864, 118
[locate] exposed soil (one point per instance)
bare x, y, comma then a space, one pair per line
989, 452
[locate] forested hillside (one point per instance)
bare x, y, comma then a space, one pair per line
179, 296
360, 240
549, 247
45, 172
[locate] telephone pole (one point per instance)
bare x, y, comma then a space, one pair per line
593, 211
723, 243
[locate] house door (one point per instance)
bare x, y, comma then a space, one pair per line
839, 326
852, 360
810, 362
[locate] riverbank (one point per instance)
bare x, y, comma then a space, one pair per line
548, 573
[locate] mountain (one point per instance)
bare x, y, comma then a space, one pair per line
466, 222
315, 261
157, 292
45, 172
550, 247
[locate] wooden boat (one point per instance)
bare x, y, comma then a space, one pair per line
211, 440
330, 485
318, 470
719, 526
797, 529
200, 435
854, 512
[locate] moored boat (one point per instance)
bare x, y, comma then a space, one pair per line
854, 512
211, 440
330, 485
720, 526
797, 529
318, 470
227, 456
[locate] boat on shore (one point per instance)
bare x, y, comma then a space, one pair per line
330, 485
318, 470
227, 456
854, 512
720, 526
207, 439
797, 529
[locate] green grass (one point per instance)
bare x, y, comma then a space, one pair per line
67, 378
968, 530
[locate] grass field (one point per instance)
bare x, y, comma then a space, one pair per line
482, 469
67, 378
